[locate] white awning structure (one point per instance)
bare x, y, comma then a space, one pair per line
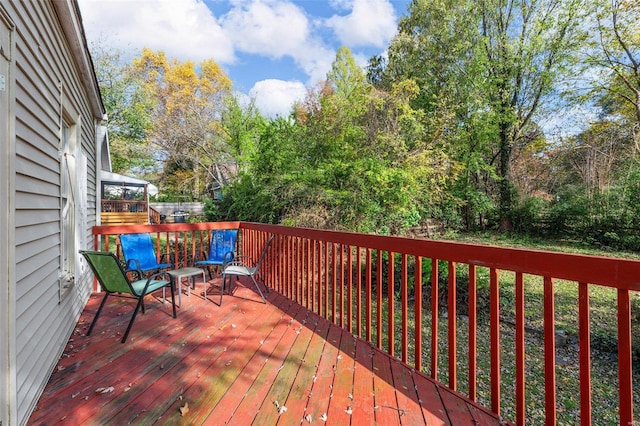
121, 180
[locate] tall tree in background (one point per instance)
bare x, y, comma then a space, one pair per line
618, 54
187, 113
484, 68
527, 46
127, 106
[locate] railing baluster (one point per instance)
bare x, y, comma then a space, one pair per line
334, 282
418, 314
434, 318
494, 315
326, 280
350, 289
309, 272
584, 339
379, 299
405, 308
624, 358
368, 298
520, 360
391, 305
451, 316
549, 352
359, 290
473, 329
340, 281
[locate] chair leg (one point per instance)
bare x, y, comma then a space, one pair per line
258, 288
133, 317
222, 285
104, 299
173, 300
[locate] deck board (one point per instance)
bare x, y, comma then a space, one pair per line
228, 364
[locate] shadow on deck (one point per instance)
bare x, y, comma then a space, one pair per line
241, 363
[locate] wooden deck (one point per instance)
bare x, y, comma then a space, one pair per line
241, 363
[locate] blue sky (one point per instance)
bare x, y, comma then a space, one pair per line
273, 50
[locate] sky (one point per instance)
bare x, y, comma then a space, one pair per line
272, 50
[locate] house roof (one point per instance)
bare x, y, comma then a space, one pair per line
122, 180
69, 15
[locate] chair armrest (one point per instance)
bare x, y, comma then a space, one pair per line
154, 278
170, 256
202, 255
133, 265
228, 258
240, 260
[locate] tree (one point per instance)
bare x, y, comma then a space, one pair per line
495, 59
619, 48
127, 106
187, 114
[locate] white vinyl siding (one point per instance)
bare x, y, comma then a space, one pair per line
7, 301
47, 82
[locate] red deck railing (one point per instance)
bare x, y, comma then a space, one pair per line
362, 283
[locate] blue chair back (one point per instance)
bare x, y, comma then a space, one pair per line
223, 241
140, 247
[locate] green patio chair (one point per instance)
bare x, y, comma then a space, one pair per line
240, 268
113, 279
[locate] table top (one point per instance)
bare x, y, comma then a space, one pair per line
185, 271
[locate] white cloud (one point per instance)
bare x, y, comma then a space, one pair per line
370, 23
274, 29
276, 97
268, 28
184, 30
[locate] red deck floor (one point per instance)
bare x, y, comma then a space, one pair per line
241, 363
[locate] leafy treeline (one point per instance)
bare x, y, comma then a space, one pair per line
452, 124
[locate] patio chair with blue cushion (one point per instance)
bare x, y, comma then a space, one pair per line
223, 241
140, 256
113, 279
240, 267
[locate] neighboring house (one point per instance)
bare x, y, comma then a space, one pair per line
51, 138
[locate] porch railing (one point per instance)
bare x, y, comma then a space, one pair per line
386, 290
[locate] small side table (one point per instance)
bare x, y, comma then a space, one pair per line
179, 274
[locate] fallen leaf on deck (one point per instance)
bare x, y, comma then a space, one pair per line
323, 417
105, 390
308, 418
282, 409
184, 409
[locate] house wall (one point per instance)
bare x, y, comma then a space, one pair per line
49, 83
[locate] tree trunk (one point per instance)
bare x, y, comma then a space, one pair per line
506, 193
